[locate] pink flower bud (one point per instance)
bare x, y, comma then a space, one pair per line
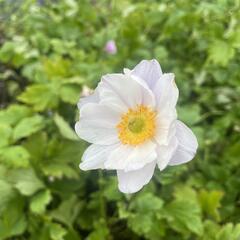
111, 47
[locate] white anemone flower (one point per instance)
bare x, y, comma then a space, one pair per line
131, 121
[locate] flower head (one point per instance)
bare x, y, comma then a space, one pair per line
131, 121
111, 47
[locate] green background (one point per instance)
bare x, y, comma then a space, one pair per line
48, 51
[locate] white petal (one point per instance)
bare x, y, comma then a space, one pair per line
95, 156
111, 98
187, 145
93, 98
97, 124
124, 90
130, 158
148, 70
97, 135
165, 127
166, 92
133, 181
100, 115
165, 153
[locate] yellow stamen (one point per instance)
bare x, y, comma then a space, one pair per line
137, 125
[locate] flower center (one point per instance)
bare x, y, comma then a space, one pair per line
137, 125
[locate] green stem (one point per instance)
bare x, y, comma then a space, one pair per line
102, 199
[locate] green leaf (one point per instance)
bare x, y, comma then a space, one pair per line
182, 209
236, 232
145, 208
123, 213
59, 170
67, 151
7, 51
5, 133
28, 126
12, 220
16, 52
229, 231
235, 38
140, 223
40, 201
13, 114
40, 96
36, 145
210, 202
210, 230
72, 235
26, 181
158, 230
101, 231
74, 80
68, 211
56, 67
15, 156
70, 93
57, 232
65, 130
6, 193
221, 52
111, 191
146, 202
189, 114
186, 193
179, 214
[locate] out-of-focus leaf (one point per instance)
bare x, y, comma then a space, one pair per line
14, 156
15, 51
179, 213
101, 231
6, 193
12, 220
40, 96
26, 181
70, 93
64, 128
28, 126
5, 133
74, 80
146, 202
67, 151
221, 52
210, 202
143, 217
59, 170
72, 235
140, 224
57, 232
56, 67
40, 201
67, 211
189, 114
13, 114
229, 231
111, 191
36, 145
185, 207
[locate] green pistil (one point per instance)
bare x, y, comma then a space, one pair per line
136, 125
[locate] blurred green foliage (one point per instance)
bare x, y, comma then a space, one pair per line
49, 51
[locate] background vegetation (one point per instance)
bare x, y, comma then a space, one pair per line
49, 51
